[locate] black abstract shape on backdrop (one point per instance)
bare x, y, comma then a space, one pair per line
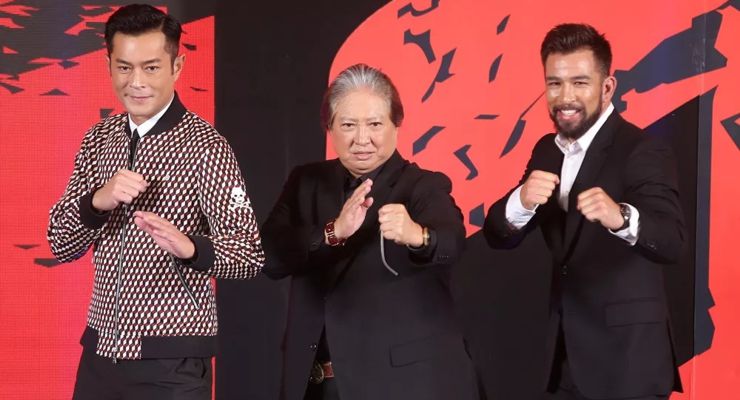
502, 25
673, 59
733, 128
462, 155
477, 216
409, 8
493, 71
421, 143
423, 40
516, 133
46, 262
443, 73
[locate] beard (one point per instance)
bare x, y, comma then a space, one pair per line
574, 130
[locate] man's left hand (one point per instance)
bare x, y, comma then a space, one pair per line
167, 236
597, 206
397, 225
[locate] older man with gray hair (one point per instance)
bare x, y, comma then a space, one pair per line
369, 239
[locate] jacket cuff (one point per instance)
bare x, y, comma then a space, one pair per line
425, 253
89, 216
205, 254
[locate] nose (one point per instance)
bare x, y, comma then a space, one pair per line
362, 136
567, 93
137, 78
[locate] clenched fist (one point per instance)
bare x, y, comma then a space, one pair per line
123, 187
397, 225
597, 206
538, 188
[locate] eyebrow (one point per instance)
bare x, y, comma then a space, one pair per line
572, 78
154, 60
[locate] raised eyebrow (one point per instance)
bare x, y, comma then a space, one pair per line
581, 78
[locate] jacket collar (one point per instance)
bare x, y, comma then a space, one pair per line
169, 120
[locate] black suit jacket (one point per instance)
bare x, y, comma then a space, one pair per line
608, 295
390, 337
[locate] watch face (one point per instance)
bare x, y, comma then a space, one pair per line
625, 211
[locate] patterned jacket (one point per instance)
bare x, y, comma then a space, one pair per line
146, 303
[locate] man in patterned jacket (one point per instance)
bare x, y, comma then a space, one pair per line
157, 193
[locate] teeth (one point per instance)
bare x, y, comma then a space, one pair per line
568, 112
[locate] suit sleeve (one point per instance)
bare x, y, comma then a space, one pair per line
652, 188
496, 229
73, 224
432, 206
233, 248
292, 244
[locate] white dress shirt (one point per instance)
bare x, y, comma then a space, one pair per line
574, 152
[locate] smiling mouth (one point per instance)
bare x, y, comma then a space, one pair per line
568, 114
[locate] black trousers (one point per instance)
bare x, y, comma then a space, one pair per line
98, 378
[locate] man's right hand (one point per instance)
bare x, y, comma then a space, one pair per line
123, 187
353, 212
538, 188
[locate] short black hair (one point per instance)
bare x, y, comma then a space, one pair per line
136, 19
568, 38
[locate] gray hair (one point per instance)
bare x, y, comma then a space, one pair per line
356, 77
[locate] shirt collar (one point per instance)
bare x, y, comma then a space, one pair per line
585, 140
147, 125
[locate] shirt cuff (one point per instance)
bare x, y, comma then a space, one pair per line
516, 214
89, 216
629, 234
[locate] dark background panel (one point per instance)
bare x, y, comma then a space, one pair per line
272, 66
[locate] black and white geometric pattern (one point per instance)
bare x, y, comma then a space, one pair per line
195, 183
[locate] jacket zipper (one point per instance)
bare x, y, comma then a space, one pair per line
119, 268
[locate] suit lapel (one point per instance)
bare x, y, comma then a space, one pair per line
551, 160
596, 156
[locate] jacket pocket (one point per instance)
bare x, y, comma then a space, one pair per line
635, 312
425, 349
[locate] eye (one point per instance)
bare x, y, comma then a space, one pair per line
553, 84
347, 125
123, 68
376, 124
151, 68
580, 83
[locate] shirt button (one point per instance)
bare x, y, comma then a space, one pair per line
564, 270
313, 346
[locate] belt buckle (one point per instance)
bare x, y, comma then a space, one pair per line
317, 373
